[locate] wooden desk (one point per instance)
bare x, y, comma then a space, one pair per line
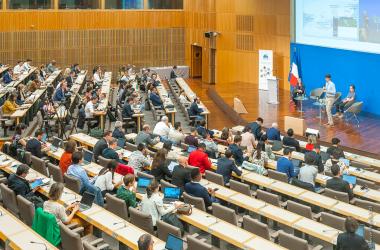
191, 95
96, 215
20, 79
84, 139
17, 235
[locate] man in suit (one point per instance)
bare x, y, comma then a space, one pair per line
226, 166
155, 98
102, 144
256, 128
273, 133
236, 151
290, 141
127, 108
194, 188
338, 184
195, 110
181, 174
70, 79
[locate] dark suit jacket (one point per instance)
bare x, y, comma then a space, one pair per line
256, 130
351, 241
291, 142
195, 110
332, 149
237, 153
197, 190
99, 147
7, 78
338, 184
226, 167
109, 153
180, 176
173, 75
156, 100
127, 111
19, 185
70, 81
34, 146
59, 95
161, 171
118, 134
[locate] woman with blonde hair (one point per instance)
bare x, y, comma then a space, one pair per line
311, 141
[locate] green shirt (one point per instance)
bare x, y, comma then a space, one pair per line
128, 196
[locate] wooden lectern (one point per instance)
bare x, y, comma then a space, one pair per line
297, 124
239, 107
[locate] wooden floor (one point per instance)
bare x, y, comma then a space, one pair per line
365, 138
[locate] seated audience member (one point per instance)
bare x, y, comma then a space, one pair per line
273, 133
75, 68
8, 76
183, 98
338, 184
127, 191
70, 79
350, 240
18, 182
21, 94
268, 147
145, 242
127, 108
98, 75
335, 148
285, 165
159, 168
77, 171
162, 128
138, 159
195, 110
198, 158
104, 181
152, 203
290, 141
51, 67
256, 128
155, 98
173, 73
18, 69
89, 110
226, 165
309, 171
118, 132
175, 134
43, 73
171, 154
181, 173
145, 137
311, 141
101, 144
35, 145
227, 135
259, 160
248, 139
335, 160
65, 160
18, 141
192, 139
195, 189
318, 158
202, 130
155, 81
110, 151
10, 105
211, 146
53, 206
349, 100
236, 151
59, 95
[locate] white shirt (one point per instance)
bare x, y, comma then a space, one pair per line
176, 136
97, 78
155, 207
17, 69
330, 89
89, 109
161, 129
104, 182
26, 66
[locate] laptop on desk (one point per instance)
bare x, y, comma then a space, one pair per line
171, 194
86, 202
56, 143
142, 184
87, 157
173, 242
350, 179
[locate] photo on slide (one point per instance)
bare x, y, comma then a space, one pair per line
369, 21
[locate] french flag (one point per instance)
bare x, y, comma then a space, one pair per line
293, 75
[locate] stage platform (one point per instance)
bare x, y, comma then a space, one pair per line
365, 138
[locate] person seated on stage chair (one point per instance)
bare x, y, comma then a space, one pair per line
350, 240
311, 141
298, 90
10, 105
60, 92
308, 172
155, 98
192, 138
173, 73
338, 184
118, 132
273, 133
290, 141
349, 100
226, 165
285, 165
139, 160
248, 139
198, 158
335, 147
146, 137
202, 130
36, 146
90, 110
70, 79
256, 128
195, 110
162, 128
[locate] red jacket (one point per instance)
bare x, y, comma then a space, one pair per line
199, 159
124, 169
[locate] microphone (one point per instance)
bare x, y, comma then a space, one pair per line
120, 222
39, 243
330, 230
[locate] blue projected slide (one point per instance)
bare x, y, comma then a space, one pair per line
344, 24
